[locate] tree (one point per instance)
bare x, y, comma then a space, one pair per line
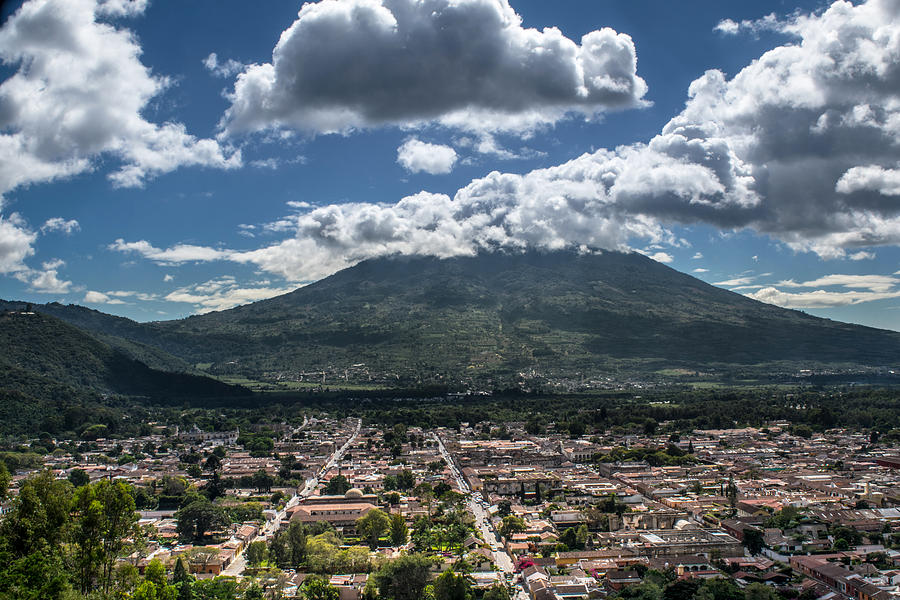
257, 553
120, 521
399, 531
504, 508
568, 538
88, 516
318, 588
804, 431
155, 586
95, 432
36, 576
511, 525
262, 481
650, 426
220, 588
353, 560
759, 591
784, 518
846, 535
372, 526
5, 478
641, 591
581, 535
337, 486
753, 541
441, 488
449, 586
322, 552
719, 589
182, 579
683, 589
145, 591
576, 429
79, 477
198, 517
32, 565
497, 592
213, 463
215, 487
403, 578
155, 573
406, 480
288, 547
426, 494
731, 492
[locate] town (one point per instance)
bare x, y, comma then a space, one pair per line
524, 509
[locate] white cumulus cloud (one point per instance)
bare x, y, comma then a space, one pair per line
465, 63
60, 224
46, 279
728, 27
48, 282
79, 92
417, 156
92, 297
16, 243
222, 69
870, 178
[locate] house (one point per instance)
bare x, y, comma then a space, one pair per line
481, 559
616, 579
341, 512
350, 587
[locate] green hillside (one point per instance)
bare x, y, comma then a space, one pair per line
136, 340
47, 364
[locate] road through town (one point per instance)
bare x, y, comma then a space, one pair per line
239, 563
478, 507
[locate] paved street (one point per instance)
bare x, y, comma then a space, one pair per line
238, 565
477, 505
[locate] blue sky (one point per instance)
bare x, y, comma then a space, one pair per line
163, 159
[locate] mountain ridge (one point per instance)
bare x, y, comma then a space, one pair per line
498, 317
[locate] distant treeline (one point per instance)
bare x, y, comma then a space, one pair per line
870, 409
